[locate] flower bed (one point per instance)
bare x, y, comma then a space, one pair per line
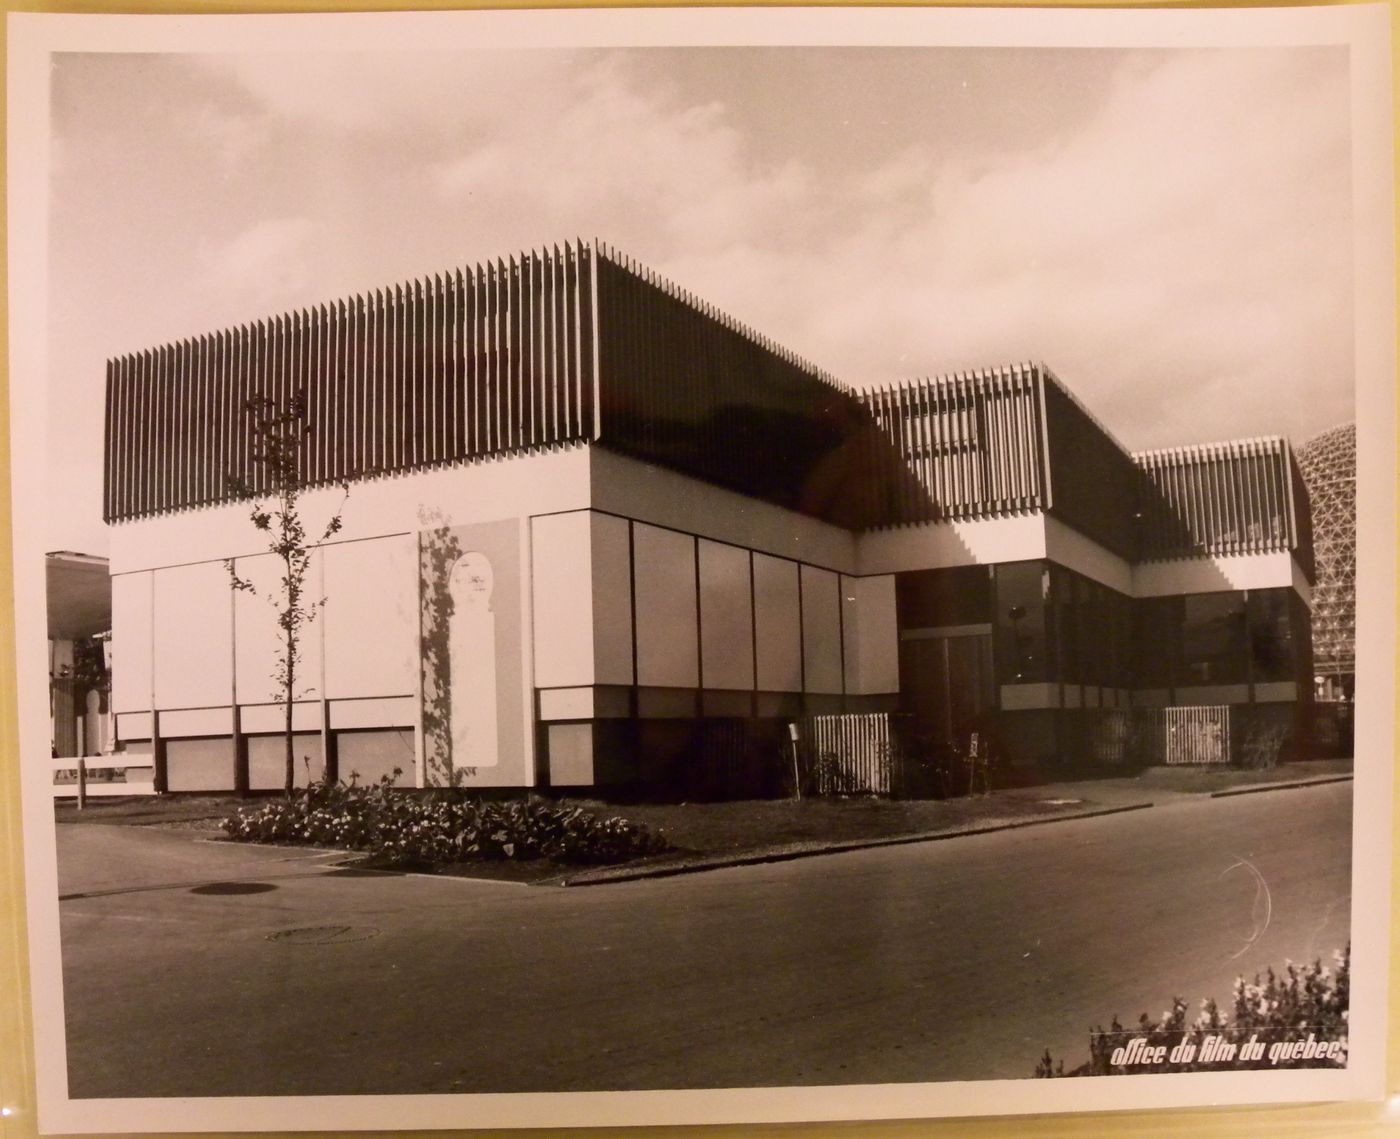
397, 827
1294, 1019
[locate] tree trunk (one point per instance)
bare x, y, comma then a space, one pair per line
290, 779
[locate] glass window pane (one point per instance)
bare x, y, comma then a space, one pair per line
1092, 648
1021, 589
1270, 637
1156, 633
932, 599
1213, 639
1064, 623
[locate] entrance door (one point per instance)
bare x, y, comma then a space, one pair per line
945, 682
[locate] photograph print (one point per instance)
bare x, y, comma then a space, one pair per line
668, 558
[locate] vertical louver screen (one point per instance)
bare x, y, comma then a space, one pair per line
974, 442
490, 359
1241, 497
581, 344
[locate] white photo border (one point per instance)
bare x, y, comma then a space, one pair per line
1363, 28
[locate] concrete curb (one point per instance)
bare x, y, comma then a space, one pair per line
1259, 787
604, 878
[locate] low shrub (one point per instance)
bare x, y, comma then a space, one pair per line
1308, 1001
1263, 746
397, 827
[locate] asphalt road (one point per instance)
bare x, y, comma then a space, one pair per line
961, 959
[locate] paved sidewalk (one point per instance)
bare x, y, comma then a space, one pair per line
1059, 802
1006, 809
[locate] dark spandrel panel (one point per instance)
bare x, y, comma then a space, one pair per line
931, 599
1093, 481
685, 387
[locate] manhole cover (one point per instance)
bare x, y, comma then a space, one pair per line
234, 888
1061, 802
323, 934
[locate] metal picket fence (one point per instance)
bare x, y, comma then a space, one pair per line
849, 754
1185, 736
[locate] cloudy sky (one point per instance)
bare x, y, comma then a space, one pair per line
1169, 230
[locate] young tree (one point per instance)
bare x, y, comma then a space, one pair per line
279, 435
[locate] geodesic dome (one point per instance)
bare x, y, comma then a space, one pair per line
1328, 463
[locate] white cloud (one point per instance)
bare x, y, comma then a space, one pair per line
484, 170
265, 261
1185, 246
400, 92
1192, 239
232, 138
614, 156
1191, 236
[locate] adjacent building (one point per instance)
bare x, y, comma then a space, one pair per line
599, 535
79, 593
1328, 462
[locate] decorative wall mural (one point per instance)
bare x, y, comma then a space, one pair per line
473, 699
472, 661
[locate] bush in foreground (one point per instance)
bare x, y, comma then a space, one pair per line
398, 827
1271, 1014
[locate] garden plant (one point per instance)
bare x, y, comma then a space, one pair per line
1276, 1014
398, 827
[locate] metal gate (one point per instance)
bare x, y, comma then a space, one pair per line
1187, 735
848, 754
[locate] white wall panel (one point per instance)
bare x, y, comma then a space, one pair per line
197, 722
566, 704
398, 711
306, 717
821, 631
570, 755
1202, 694
199, 764
652, 494
131, 642
194, 637
871, 629
1023, 697
561, 568
133, 725
777, 624
612, 600
726, 616
518, 487
371, 618
258, 640
1216, 574
1275, 690
374, 754
1072, 549
1301, 585
939, 545
664, 572
267, 761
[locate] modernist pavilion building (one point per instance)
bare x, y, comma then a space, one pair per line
600, 535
